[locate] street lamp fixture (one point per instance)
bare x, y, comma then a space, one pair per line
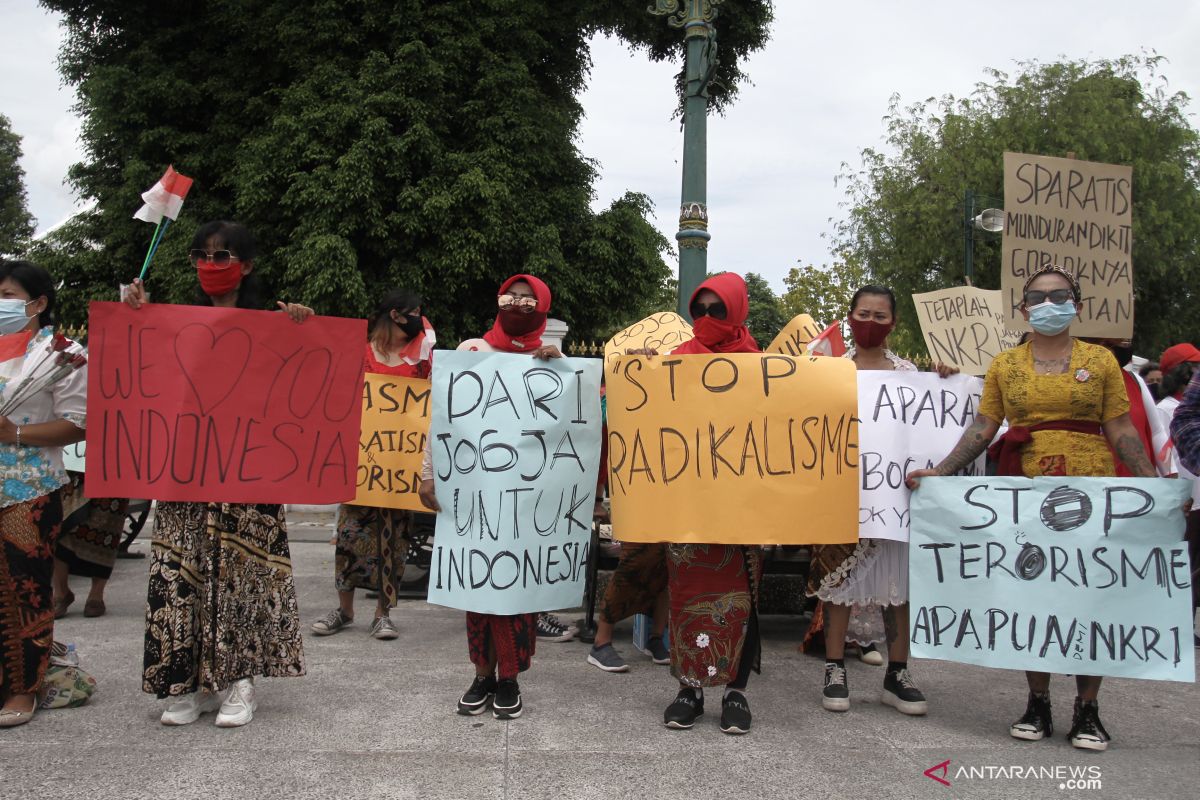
989, 220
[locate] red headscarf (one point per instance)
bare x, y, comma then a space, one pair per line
728, 335
527, 342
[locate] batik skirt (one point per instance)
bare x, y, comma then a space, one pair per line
27, 534
372, 545
511, 638
640, 577
221, 604
714, 598
91, 532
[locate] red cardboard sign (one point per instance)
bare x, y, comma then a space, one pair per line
222, 405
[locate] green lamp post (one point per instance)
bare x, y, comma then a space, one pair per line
695, 17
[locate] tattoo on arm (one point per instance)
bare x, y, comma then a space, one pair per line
974, 441
1130, 450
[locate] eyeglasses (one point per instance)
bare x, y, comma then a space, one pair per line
715, 310
516, 301
1035, 297
221, 258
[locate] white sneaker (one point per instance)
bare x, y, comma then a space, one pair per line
239, 705
188, 708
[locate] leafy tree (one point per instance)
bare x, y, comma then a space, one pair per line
16, 223
905, 203
767, 316
822, 292
370, 145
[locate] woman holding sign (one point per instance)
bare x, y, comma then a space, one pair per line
501, 646
372, 543
1067, 404
873, 573
221, 602
44, 409
714, 588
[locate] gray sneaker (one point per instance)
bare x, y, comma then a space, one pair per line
384, 628
332, 622
607, 658
657, 650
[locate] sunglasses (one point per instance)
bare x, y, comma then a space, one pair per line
1035, 297
221, 258
516, 301
715, 310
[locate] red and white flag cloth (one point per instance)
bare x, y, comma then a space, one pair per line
829, 342
164, 198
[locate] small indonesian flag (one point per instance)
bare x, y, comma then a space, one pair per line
829, 342
164, 198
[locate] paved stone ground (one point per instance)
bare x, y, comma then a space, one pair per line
375, 720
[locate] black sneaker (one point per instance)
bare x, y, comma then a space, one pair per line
902, 694
1037, 723
475, 700
550, 631
656, 648
507, 702
683, 713
836, 695
1087, 733
735, 714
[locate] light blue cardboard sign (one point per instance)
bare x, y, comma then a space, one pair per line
74, 455
516, 449
1082, 576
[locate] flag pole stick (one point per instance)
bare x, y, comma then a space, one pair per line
159, 232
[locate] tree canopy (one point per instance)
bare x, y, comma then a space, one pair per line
16, 223
370, 145
822, 292
904, 217
766, 317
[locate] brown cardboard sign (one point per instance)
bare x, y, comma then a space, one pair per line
1078, 215
965, 326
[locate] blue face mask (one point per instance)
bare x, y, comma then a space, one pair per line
1051, 318
12, 316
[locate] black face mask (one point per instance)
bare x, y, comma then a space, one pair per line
1153, 387
412, 325
1123, 355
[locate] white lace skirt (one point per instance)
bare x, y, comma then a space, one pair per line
875, 574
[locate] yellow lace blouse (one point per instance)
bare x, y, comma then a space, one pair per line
1091, 390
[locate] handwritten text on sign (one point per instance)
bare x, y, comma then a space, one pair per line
734, 449
1087, 576
908, 421
395, 422
965, 326
1078, 215
516, 449
661, 332
222, 405
795, 336
74, 456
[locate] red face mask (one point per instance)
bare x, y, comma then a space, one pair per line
712, 332
869, 334
519, 323
219, 281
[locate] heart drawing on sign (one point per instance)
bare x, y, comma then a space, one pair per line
217, 363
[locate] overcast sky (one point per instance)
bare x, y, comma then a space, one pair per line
819, 92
